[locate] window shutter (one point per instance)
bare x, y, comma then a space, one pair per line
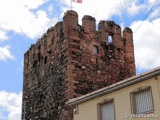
107, 111
143, 101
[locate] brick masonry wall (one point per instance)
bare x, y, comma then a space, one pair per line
71, 60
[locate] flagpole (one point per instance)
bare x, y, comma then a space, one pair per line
71, 5
122, 16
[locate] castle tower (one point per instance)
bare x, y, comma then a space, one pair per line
71, 60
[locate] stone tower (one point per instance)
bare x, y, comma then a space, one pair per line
70, 60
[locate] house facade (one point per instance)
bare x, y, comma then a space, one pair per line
135, 98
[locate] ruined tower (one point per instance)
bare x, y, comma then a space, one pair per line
70, 60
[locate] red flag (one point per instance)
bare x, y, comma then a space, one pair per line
78, 1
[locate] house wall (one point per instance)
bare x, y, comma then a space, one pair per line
122, 101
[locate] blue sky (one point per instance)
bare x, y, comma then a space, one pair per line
22, 22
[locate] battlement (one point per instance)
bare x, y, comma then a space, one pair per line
108, 32
70, 60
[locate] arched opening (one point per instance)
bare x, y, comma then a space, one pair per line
109, 39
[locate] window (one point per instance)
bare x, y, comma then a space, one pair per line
142, 101
96, 60
107, 111
109, 39
45, 60
95, 49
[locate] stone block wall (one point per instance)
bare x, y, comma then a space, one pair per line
70, 60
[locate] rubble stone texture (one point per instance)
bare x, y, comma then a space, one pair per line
72, 60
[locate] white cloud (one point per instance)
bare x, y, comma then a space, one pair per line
3, 35
50, 8
2, 117
105, 9
102, 9
5, 53
154, 14
27, 19
133, 7
147, 44
10, 104
23, 17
